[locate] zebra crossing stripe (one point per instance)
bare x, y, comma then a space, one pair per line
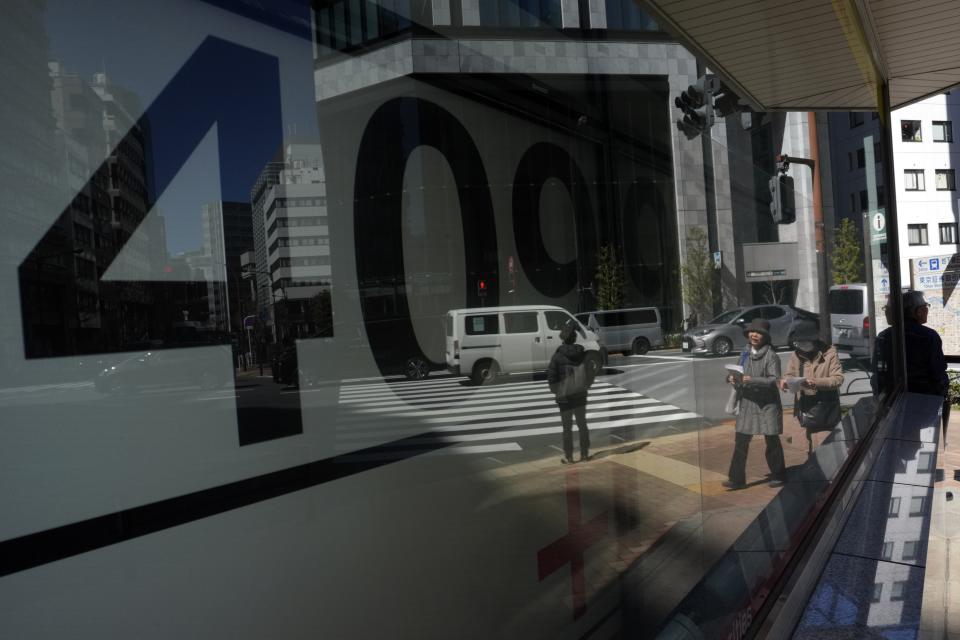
452, 389
506, 397
480, 411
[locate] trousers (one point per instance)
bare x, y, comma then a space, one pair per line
566, 418
774, 455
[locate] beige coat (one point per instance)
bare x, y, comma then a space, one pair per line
824, 368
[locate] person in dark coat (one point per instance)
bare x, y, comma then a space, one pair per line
923, 348
569, 354
761, 412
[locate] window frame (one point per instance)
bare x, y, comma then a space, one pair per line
919, 182
950, 176
917, 135
924, 238
951, 237
946, 128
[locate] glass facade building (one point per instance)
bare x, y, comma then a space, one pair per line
283, 280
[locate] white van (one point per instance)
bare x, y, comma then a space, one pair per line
850, 319
626, 330
486, 341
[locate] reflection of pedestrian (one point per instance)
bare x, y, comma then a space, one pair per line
760, 410
817, 404
926, 365
569, 381
691, 320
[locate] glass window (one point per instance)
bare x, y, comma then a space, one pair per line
856, 119
640, 316
887, 552
482, 325
916, 505
910, 550
910, 130
946, 181
772, 313
861, 158
913, 179
942, 131
628, 16
864, 201
846, 301
899, 590
877, 592
948, 233
557, 319
525, 322
894, 510
917, 234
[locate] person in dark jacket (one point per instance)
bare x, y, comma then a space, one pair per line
567, 356
923, 348
761, 412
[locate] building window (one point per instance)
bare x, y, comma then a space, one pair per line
916, 505
913, 179
899, 591
910, 550
948, 234
881, 196
510, 13
887, 553
894, 509
877, 591
861, 158
856, 119
853, 203
850, 160
916, 235
942, 131
626, 15
876, 152
864, 202
946, 180
910, 131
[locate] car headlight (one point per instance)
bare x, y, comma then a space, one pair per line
703, 332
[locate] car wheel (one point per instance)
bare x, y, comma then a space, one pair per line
485, 372
722, 346
640, 346
416, 368
593, 364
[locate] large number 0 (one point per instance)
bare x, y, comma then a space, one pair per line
207, 90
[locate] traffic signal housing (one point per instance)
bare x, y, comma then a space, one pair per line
782, 206
482, 288
696, 103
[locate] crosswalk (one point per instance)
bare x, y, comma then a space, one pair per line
400, 419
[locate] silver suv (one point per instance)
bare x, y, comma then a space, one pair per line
724, 334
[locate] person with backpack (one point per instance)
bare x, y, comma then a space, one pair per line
569, 382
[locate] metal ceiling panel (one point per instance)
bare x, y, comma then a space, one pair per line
822, 54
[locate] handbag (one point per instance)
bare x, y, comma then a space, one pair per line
820, 411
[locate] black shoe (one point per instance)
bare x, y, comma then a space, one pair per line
733, 486
776, 483
566, 461
584, 457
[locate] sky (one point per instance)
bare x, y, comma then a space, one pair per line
198, 69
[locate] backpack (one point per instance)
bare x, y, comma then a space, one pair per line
574, 381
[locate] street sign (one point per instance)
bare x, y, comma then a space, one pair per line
249, 322
878, 227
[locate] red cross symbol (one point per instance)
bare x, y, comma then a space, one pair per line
570, 548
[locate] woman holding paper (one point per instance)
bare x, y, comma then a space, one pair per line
814, 375
760, 410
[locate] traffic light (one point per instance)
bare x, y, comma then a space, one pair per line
697, 106
726, 102
482, 288
782, 206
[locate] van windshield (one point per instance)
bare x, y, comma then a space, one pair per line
846, 301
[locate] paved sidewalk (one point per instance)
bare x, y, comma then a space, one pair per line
666, 507
940, 615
